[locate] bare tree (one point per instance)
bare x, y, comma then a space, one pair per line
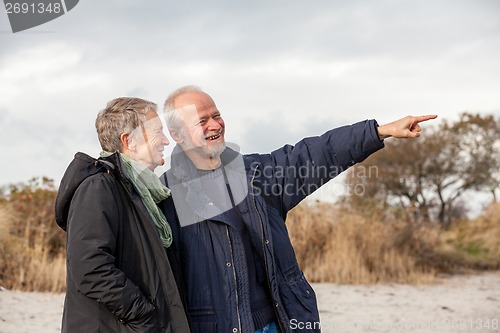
428, 177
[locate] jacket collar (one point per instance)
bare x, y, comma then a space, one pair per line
184, 180
183, 168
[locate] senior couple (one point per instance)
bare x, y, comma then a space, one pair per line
204, 248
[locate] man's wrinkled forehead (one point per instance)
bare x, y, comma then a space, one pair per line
188, 114
193, 106
200, 99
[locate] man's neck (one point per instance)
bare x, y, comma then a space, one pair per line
204, 162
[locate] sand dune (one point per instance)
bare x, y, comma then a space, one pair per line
457, 304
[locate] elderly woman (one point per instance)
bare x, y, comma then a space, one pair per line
119, 277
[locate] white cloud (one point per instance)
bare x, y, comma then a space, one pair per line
279, 69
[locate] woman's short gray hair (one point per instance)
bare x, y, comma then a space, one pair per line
172, 118
121, 115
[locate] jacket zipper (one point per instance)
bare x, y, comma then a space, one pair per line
235, 281
264, 252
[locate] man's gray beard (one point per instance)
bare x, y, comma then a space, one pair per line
206, 151
214, 151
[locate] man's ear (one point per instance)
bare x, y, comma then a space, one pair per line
175, 135
127, 142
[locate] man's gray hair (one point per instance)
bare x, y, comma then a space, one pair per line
173, 119
121, 115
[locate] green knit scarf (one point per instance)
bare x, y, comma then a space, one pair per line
151, 191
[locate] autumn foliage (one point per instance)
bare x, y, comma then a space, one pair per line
32, 247
430, 176
333, 243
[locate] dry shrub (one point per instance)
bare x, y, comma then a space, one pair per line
32, 247
337, 245
332, 243
472, 244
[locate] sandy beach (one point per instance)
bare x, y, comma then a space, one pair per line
467, 303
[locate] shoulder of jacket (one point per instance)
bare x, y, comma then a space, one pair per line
82, 172
98, 183
106, 177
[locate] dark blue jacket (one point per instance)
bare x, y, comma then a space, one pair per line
211, 253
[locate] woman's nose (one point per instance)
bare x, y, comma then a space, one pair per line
165, 140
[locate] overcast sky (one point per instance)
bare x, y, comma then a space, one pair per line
278, 70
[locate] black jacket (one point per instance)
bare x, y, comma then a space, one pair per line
119, 278
212, 254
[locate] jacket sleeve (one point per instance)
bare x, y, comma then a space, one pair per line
291, 173
93, 225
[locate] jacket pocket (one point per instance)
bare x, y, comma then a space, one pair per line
299, 299
203, 320
149, 323
303, 292
107, 321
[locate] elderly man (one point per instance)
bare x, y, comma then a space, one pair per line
228, 214
119, 277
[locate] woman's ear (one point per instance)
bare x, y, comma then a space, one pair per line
127, 143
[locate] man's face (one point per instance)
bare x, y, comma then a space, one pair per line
148, 142
203, 127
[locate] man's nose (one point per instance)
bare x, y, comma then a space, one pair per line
213, 124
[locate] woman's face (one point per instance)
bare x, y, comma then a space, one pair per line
148, 141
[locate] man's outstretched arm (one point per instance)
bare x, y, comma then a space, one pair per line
406, 127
